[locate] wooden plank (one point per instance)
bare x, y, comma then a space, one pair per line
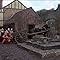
39, 51
43, 53
51, 44
37, 32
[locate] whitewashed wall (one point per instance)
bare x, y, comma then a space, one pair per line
1, 18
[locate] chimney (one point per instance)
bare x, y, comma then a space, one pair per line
58, 8
58, 5
1, 4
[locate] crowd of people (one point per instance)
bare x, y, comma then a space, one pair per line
6, 36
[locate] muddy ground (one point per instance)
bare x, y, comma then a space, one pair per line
12, 52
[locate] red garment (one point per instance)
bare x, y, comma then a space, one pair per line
1, 38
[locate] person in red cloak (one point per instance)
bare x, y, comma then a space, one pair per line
7, 37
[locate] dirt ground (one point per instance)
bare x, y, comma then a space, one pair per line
12, 52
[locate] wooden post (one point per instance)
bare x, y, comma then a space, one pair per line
1, 4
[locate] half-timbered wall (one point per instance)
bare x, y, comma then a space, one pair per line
9, 11
16, 4
1, 19
12, 8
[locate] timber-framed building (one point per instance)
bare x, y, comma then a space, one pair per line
8, 11
17, 16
